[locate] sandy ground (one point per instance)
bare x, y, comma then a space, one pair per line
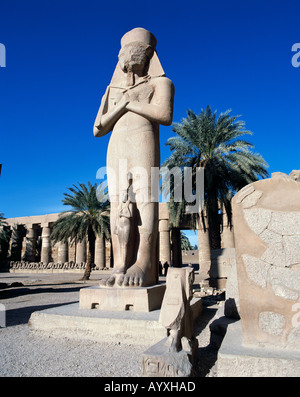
26, 353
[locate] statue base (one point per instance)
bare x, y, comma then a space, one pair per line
138, 299
160, 361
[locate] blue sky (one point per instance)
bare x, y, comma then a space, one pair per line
60, 56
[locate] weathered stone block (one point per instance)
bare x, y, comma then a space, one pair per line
142, 299
266, 217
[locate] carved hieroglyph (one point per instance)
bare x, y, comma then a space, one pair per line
138, 99
266, 216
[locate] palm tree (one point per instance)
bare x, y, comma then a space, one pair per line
214, 143
88, 218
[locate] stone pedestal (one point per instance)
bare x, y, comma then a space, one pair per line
160, 361
141, 299
136, 328
236, 360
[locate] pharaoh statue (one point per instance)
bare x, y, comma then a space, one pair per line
138, 99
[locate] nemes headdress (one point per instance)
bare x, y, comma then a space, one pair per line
143, 36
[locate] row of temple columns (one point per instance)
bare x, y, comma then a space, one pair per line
32, 242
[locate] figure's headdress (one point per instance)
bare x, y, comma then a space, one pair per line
143, 36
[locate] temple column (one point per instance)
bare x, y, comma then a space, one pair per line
15, 246
62, 253
71, 251
164, 242
100, 257
30, 244
203, 245
46, 246
23, 244
81, 251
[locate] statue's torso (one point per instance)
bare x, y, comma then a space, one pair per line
130, 122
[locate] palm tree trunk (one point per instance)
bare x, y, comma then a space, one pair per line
214, 221
176, 247
90, 255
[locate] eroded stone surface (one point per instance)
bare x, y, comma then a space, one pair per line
257, 219
271, 322
274, 255
270, 237
251, 199
285, 223
291, 246
244, 193
256, 270
285, 282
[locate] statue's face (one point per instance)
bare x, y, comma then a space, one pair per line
134, 57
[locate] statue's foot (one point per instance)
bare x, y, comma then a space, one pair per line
111, 280
108, 281
135, 277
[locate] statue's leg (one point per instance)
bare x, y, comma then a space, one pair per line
117, 264
144, 271
125, 236
142, 158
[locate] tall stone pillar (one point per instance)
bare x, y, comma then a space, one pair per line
30, 244
100, 257
46, 246
15, 246
23, 243
204, 249
203, 245
164, 242
81, 251
71, 251
62, 254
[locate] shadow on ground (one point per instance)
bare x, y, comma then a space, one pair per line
22, 315
26, 297
10, 293
207, 355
